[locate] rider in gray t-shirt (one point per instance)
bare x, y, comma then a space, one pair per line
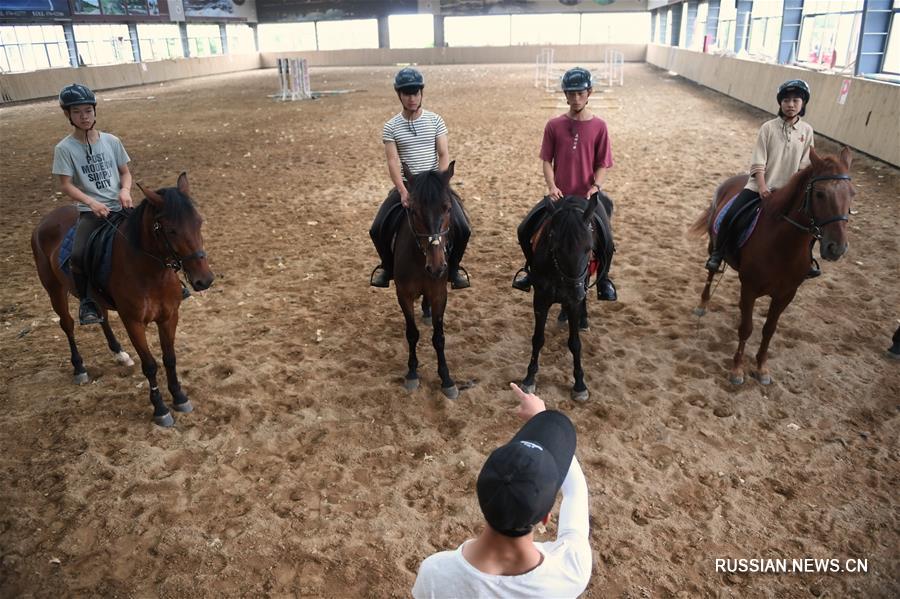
93, 170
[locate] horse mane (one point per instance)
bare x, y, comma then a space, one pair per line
177, 207
428, 187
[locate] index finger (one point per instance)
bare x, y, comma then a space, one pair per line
518, 391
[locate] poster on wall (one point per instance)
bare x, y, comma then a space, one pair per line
34, 8
327, 10
237, 9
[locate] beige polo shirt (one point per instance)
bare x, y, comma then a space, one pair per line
781, 150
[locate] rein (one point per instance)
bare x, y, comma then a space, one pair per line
814, 227
173, 259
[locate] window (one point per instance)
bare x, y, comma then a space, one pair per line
346, 35
286, 37
727, 27
544, 29
765, 28
159, 41
615, 28
411, 31
891, 63
103, 44
700, 26
490, 30
829, 32
32, 47
204, 40
240, 39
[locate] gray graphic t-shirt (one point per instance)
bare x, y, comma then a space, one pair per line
94, 171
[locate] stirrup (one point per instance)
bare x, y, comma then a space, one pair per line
88, 313
716, 266
457, 282
383, 280
814, 269
523, 284
185, 292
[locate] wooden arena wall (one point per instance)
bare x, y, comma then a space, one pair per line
868, 120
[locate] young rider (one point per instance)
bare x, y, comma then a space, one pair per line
418, 138
92, 168
782, 149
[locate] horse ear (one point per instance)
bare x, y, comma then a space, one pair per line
813, 157
846, 157
155, 199
183, 185
448, 174
591, 208
407, 174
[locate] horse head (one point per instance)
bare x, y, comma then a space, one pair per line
430, 200
571, 240
826, 202
176, 231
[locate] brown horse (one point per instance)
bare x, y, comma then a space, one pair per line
814, 205
420, 265
156, 240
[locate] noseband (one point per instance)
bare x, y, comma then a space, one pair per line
173, 259
814, 227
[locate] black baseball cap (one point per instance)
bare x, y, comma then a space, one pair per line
519, 481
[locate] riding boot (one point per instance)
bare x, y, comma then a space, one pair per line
88, 312
456, 274
894, 349
714, 263
606, 291
814, 270
185, 292
522, 283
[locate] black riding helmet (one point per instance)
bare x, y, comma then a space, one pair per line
409, 80
76, 95
794, 86
577, 79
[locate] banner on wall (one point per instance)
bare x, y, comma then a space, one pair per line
34, 8
237, 9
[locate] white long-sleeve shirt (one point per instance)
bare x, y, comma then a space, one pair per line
563, 573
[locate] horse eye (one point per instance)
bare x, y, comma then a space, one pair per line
171, 232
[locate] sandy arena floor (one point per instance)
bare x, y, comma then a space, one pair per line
306, 470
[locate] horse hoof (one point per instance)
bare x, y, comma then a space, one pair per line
528, 388
450, 392
81, 379
580, 395
736, 380
185, 407
411, 384
763, 379
123, 359
165, 420
699, 311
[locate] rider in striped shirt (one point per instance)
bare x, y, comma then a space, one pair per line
418, 138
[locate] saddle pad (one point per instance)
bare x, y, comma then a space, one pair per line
747, 232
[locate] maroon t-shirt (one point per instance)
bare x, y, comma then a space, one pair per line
576, 149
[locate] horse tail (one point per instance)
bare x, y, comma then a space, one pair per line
700, 227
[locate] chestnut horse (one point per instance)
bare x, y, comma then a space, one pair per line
559, 274
813, 206
156, 240
420, 265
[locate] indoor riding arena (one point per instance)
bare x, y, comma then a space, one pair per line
306, 469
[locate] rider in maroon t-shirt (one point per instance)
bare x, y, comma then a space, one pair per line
575, 155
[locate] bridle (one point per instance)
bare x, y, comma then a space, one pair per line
431, 239
814, 227
173, 259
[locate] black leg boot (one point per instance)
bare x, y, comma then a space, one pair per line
88, 312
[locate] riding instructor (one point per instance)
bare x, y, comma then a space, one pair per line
418, 138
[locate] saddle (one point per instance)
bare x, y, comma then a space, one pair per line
97, 253
742, 222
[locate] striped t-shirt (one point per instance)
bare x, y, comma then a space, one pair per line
416, 139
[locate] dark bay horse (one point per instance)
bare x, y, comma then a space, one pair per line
420, 265
158, 238
559, 273
814, 205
